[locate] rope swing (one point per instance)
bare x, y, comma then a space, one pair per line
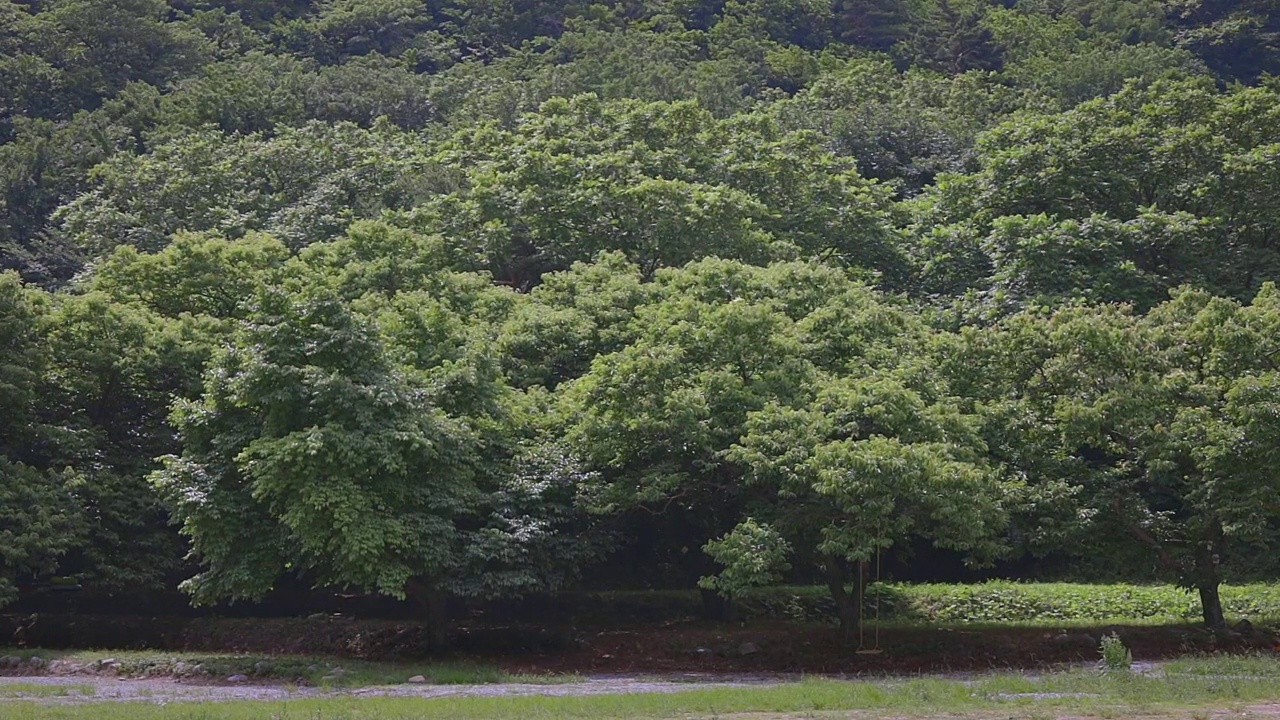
862, 594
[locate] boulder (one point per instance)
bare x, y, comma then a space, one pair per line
417, 679
238, 679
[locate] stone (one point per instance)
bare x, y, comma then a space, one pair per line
338, 671
748, 648
237, 679
1244, 627
417, 679
1075, 640
36, 662
704, 652
261, 666
10, 661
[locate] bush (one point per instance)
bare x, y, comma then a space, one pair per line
1015, 602
1116, 658
993, 602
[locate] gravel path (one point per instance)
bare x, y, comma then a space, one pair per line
75, 690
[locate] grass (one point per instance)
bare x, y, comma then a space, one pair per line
1189, 686
19, 690
311, 670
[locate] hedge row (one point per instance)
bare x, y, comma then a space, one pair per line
1015, 602
993, 602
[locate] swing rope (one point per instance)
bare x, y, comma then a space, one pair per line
862, 594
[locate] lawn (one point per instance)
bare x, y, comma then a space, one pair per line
1190, 687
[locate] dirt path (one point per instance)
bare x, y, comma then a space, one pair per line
72, 689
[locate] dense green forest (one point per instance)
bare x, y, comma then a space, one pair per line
458, 298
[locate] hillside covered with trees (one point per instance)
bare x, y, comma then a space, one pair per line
464, 298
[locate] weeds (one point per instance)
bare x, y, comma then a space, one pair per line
1116, 658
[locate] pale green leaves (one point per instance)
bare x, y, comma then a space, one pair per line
752, 555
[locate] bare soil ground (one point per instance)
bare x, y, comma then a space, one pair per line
790, 648
81, 689
685, 646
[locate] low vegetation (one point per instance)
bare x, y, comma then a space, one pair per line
29, 690
902, 604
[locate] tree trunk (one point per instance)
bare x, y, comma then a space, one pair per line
1207, 576
846, 610
433, 603
1211, 606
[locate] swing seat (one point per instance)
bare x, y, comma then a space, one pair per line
868, 651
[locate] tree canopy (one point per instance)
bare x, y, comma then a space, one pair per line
462, 298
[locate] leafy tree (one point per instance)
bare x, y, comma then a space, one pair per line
1173, 169
572, 317
107, 388
197, 274
901, 128
39, 521
341, 29
1238, 39
665, 184
69, 55
1072, 56
874, 24
752, 555
950, 36
311, 453
867, 464
300, 185
45, 164
1150, 432
770, 393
